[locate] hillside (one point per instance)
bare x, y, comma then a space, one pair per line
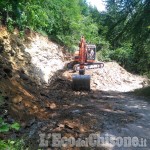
36, 86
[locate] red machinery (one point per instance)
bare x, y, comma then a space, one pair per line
84, 59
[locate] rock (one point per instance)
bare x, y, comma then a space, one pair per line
10, 120
69, 130
31, 122
8, 71
61, 125
94, 96
1, 48
70, 125
52, 105
82, 129
17, 99
21, 58
77, 111
2, 74
24, 76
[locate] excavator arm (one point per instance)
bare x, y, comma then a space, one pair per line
81, 81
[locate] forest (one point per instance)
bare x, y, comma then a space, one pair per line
121, 33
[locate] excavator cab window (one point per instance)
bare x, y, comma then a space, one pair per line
91, 52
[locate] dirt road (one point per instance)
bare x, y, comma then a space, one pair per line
80, 114
55, 108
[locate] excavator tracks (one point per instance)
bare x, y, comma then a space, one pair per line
88, 66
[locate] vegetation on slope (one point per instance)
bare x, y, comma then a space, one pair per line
121, 33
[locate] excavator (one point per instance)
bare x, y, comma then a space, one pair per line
84, 59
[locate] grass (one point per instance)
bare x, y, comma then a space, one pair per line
143, 92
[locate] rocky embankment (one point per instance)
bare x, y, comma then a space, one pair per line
34, 56
26, 65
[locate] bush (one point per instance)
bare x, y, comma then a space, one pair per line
10, 144
103, 52
5, 128
104, 55
143, 92
123, 55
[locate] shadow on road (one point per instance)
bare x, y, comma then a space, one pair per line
56, 108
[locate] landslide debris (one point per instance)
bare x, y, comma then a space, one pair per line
115, 78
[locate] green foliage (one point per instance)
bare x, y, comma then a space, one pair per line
12, 145
104, 52
73, 48
104, 55
66, 21
143, 92
123, 54
125, 22
15, 126
10, 23
5, 127
9, 144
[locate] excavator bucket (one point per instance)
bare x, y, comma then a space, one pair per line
81, 82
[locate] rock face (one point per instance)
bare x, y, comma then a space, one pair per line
27, 65
46, 58
35, 57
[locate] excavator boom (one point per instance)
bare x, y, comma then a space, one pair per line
81, 81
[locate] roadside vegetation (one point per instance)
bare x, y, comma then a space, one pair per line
143, 92
7, 129
121, 33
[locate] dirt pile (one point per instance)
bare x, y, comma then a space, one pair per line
115, 78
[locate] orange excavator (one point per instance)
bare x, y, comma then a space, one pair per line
84, 59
